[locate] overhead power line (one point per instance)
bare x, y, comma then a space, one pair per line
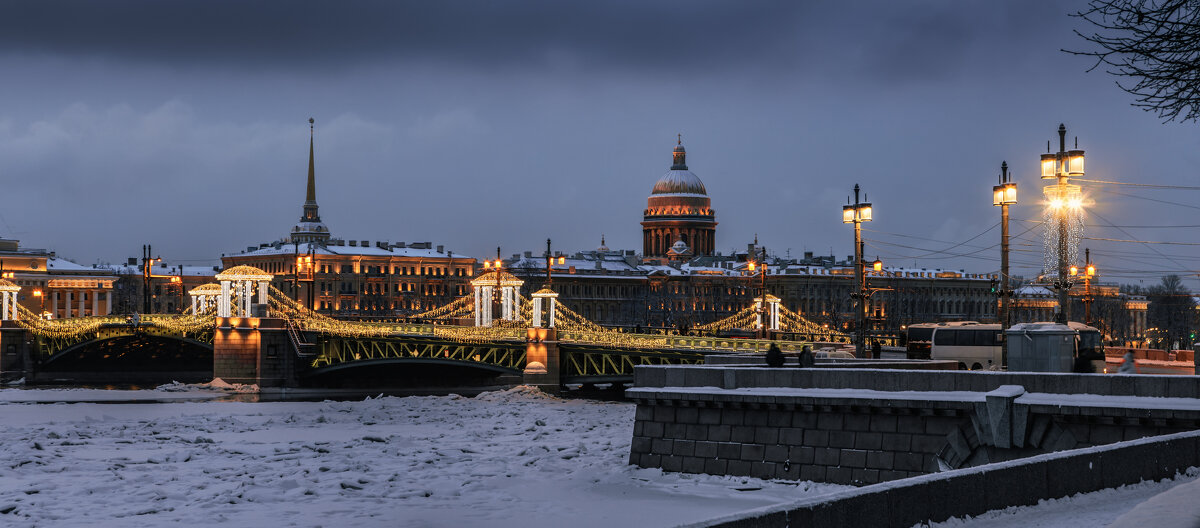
1143, 241
1143, 185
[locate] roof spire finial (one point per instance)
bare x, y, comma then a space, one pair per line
311, 196
679, 139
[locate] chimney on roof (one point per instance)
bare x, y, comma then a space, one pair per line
131, 262
440, 248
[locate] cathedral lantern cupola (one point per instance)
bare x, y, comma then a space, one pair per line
678, 209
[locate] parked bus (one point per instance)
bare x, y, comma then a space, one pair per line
1089, 348
974, 346
919, 338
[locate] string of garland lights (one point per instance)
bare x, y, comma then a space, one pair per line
739, 320
186, 324
62, 328
794, 322
457, 308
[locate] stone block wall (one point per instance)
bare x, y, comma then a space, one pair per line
973, 491
703, 420
823, 440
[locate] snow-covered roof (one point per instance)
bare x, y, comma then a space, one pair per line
1034, 291
166, 268
61, 264
365, 251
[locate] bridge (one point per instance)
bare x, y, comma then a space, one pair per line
245, 331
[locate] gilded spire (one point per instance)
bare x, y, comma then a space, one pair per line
310, 229
311, 197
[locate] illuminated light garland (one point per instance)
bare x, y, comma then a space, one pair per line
186, 324
463, 304
1065, 200
740, 320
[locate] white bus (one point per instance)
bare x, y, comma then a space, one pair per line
974, 346
919, 338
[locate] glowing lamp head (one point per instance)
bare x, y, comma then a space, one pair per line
877, 265
1075, 162
562, 260
1074, 270
1049, 161
487, 264
751, 265
865, 212
1091, 270
847, 214
37, 293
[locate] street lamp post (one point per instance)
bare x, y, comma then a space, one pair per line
856, 213
762, 290
304, 273
1089, 271
1064, 199
178, 282
147, 271
1004, 195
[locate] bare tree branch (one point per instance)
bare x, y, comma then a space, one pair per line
1153, 47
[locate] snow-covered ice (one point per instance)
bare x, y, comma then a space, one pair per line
512, 458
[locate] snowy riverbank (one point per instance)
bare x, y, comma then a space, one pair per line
514, 458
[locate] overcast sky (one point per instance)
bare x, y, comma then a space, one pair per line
477, 124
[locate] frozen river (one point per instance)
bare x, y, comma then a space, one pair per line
513, 458
516, 458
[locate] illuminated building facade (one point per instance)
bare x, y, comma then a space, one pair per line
55, 286
678, 209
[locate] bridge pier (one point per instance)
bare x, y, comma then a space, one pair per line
15, 357
542, 360
254, 351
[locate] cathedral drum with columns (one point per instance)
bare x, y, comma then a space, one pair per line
678, 209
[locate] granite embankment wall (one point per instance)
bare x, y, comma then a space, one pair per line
973, 491
863, 427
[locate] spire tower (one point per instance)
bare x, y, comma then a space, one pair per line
310, 228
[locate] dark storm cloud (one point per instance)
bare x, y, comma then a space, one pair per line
901, 40
480, 33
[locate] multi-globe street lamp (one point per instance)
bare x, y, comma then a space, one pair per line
856, 213
1064, 203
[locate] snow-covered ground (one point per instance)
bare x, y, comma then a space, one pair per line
513, 458
1086, 510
